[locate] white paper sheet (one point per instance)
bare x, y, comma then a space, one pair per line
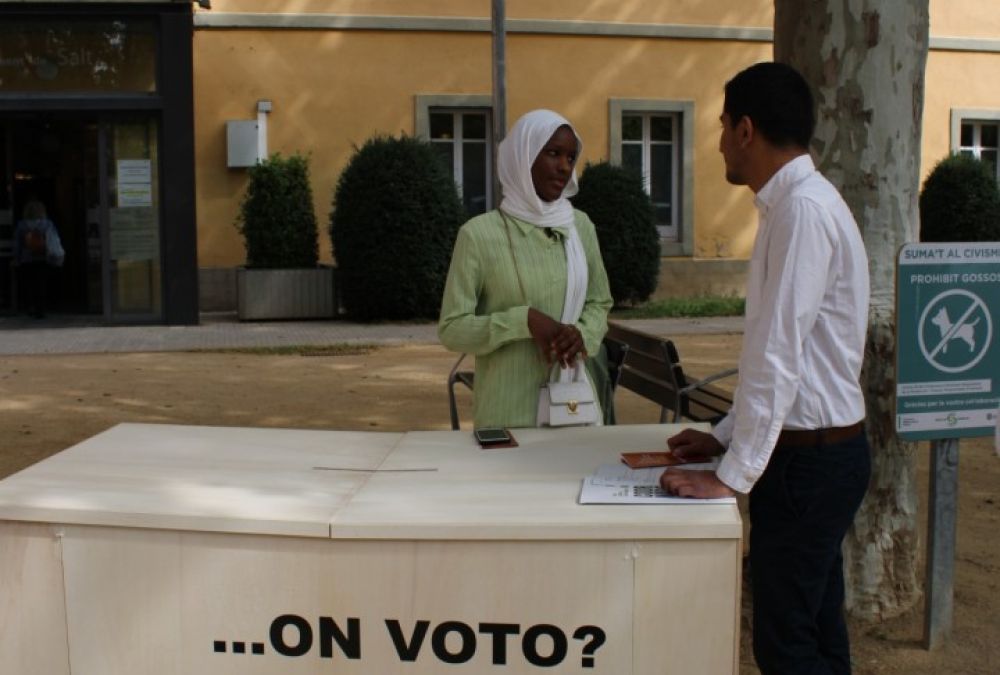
618, 484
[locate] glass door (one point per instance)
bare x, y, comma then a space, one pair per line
7, 284
133, 271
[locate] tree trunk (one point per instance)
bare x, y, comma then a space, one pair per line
865, 60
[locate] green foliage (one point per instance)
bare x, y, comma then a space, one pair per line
960, 201
395, 218
276, 216
709, 305
614, 199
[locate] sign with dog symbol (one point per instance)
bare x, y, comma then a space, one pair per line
947, 356
971, 328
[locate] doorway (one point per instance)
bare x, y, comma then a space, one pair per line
98, 180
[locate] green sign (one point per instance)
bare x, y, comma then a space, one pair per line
947, 351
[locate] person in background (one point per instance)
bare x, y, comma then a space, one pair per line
526, 287
36, 246
794, 438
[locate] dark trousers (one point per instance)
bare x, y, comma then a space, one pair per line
32, 277
800, 510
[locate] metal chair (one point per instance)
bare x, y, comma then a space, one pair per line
466, 377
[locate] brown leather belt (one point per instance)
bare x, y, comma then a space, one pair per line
811, 438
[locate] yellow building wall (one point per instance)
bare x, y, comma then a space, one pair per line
604, 68
333, 89
958, 79
330, 92
955, 80
965, 18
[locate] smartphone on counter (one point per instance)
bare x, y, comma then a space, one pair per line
489, 436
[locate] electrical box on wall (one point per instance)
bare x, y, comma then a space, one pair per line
242, 143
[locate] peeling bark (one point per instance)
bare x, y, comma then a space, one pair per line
865, 61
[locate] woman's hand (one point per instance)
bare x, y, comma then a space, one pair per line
568, 345
557, 342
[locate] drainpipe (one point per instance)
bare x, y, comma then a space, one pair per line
499, 88
263, 108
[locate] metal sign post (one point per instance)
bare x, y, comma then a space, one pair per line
947, 385
942, 517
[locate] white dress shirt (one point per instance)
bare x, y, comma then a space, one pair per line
806, 320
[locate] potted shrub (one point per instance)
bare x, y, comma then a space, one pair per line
623, 216
395, 218
282, 279
960, 201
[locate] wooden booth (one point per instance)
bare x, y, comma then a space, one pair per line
177, 550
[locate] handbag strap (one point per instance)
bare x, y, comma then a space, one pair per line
510, 241
578, 372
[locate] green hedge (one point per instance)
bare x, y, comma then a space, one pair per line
960, 201
615, 200
395, 218
276, 215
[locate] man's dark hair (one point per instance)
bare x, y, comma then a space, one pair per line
777, 100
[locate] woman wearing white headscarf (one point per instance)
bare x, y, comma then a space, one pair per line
526, 287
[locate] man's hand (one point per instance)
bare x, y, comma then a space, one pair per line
693, 443
696, 484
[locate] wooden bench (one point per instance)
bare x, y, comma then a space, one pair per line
616, 353
653, 370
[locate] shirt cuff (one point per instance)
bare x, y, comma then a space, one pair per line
518, 322
734, 474
723, 431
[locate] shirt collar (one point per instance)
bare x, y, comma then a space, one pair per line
782, 181
525, 227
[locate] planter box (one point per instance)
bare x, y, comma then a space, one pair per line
285, 293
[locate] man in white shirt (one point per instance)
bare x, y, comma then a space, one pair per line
794, 438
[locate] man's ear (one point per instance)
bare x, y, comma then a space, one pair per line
745, 131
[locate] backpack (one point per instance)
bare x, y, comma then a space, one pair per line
34, 241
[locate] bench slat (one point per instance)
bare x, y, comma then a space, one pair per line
653, 370
636, 340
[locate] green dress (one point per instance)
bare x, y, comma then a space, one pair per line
483, 311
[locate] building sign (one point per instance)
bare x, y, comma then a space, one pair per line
44, 55
135, 182
134, 234
947, 356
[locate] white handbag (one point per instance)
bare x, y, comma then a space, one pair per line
563, 402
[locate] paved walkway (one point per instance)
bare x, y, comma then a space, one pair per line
82, 335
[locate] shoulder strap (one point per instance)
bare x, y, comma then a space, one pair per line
510, 241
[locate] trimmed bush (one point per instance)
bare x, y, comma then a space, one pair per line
960, 201
276, 216
614, 199
395, 218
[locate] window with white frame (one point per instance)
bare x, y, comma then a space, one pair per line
981, 139
656, 138
462, 137
649, 145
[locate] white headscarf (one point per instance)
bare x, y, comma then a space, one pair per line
515, 157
